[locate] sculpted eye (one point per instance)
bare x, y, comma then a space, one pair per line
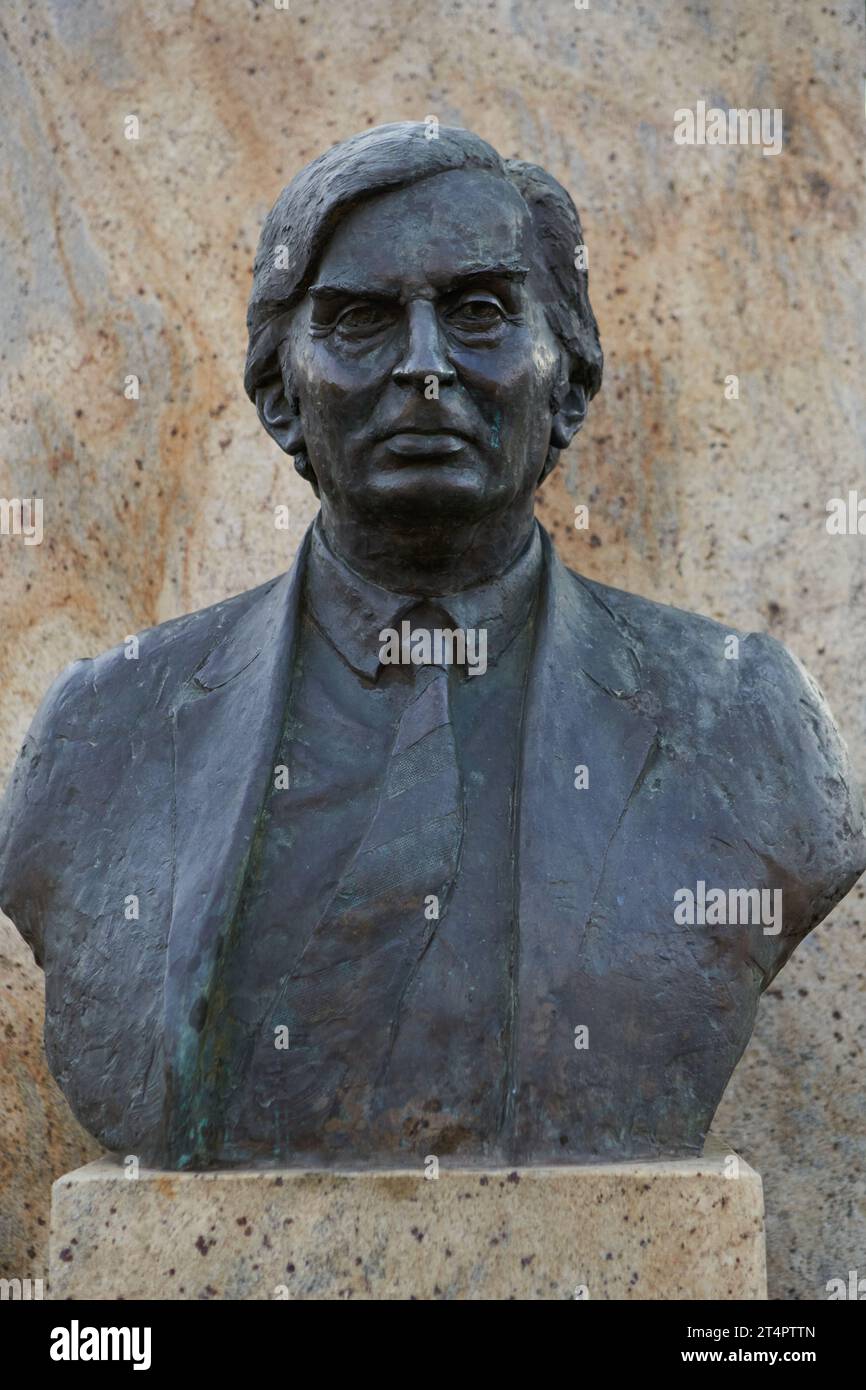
363, 318
477, 313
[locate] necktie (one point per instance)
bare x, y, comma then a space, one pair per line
340, 1006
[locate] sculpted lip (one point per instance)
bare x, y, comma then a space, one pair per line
424, 443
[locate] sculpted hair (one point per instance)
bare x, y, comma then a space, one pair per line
304, 217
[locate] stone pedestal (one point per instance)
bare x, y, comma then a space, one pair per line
670, 1230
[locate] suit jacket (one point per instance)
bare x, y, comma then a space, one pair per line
127, 826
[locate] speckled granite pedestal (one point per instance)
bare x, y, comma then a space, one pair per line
672, 1230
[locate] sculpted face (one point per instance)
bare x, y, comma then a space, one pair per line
434, 288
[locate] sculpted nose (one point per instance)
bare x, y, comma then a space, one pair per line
425, 355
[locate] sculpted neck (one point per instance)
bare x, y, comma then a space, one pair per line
432, 559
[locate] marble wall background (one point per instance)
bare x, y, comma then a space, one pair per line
123, 256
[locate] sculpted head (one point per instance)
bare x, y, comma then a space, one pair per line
421, 341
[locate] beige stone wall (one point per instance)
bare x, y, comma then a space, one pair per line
127, 256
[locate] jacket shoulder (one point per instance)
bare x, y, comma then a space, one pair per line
743, 708
689, 659
652, 628
96, 708
169, 652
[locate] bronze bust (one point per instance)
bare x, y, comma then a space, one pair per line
430, 845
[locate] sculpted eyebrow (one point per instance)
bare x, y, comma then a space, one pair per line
517, 273
337, 291
510, 271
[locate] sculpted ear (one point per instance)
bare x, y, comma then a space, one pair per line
280, 416
569, 414
569, 406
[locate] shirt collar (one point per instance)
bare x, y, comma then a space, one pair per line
352, 611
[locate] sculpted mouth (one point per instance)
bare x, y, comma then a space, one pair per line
420, 443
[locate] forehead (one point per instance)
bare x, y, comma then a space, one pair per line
430, 232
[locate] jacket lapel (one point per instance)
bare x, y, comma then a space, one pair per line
226, 728
582, 708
